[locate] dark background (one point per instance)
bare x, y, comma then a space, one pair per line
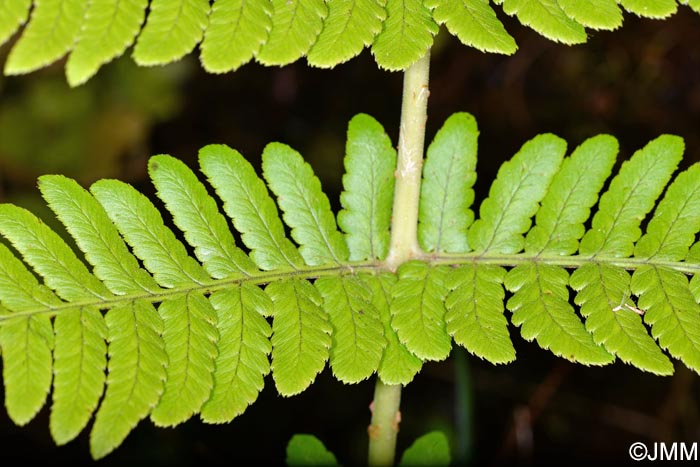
635, 83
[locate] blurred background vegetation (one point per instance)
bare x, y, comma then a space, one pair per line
635, 83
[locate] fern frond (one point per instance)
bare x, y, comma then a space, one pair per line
50, 34
182, 335
279, 32
172, 30
237, 29
295, 28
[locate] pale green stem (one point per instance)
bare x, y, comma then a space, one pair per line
404, 242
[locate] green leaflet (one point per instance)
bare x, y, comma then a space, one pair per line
244, 345
631, 196
672, 230
49, 255
547, 18
142, 227
596, 14
51, 31
249, 206
295, 27
612, 318
300, 335
196, 214
475, 23
514, 196
650, 8
110, 27
694, 4
94, 233
407, 35
306, 208
671, 311
430, 449
475, 312
350, 26
540, 305
237, 29
446, 190
13, 14
398, 365
79, 371
136, 372
418, 310
190, 337
26, 370
367, 199
358, 335
173, 29
307, 450
572, 194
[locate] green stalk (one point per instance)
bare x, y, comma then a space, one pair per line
404, 241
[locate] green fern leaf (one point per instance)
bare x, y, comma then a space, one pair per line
51, 32
547, 18
249, 206
540, 306
142, 227
612, 319
446, 190
49, 255
26, 370
398, 365
94, 233
110, 27
307, 450
650, 8
79, 371
671, 311
475, 312
244, 345
358, 336
350, 26
196, 214
136, 374
237, 29
514, 196
306, 208
172, 30
295, 27
190, 336
572, 194
672, 230
596, 14
367, 199
475, 23
26, 342
418, 310
13, 14
407, 35
632, 193
300, 335
430, 449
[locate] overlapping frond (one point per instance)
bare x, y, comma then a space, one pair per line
231, 33
145, 322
